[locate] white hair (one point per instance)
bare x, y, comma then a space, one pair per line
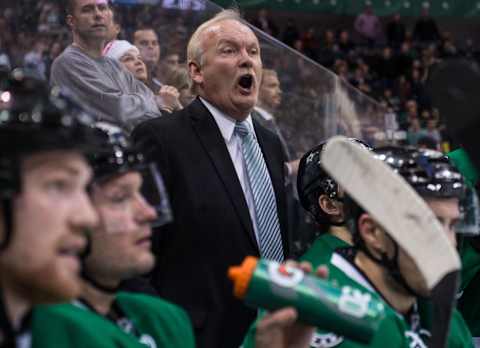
194, 47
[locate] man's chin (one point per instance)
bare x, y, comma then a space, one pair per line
245, 103
61, 289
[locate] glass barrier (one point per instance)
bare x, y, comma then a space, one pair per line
316, 104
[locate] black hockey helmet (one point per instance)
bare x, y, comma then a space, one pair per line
313, 181
33, 119
429, 172
117, 155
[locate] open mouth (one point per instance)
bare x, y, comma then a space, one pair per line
144, 241
246, 81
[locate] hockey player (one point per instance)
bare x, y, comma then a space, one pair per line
44, 204
320, 195
119, 250
377, 265
467, 303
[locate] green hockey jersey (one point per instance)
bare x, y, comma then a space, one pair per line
395, 331
322, 249
468, 302
146, 322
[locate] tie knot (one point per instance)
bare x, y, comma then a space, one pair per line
241, 128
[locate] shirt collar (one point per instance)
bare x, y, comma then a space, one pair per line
264, 113
225, 123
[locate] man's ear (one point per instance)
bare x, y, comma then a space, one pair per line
195, 71
372, 234
329, 206
69, 21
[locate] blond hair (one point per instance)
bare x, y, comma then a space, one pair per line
194, 47
268, 72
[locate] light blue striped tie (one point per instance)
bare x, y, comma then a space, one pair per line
269, 236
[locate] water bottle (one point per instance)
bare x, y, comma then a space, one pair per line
344, 310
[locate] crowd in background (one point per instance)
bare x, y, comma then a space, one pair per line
390, 63
387, 62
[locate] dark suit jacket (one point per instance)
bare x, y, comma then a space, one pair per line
212, 229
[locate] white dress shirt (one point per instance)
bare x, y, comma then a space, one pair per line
226, 124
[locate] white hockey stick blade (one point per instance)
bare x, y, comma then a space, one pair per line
393, 203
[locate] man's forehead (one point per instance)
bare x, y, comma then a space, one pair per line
71, 161
82, 3
145, 34
444, 206
128, 180
270, 78
229, 29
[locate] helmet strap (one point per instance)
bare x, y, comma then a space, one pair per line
391, 264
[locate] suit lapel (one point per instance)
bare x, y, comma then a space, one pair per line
212, 141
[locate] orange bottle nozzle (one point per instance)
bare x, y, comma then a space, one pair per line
241, 276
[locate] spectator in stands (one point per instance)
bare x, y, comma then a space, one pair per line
417, 87
4, 58
35, 59
49, 18
269, 100
291, 32
404, 58
341, 69
310, 43
52, 53
415, 132
129, 56
409, 113
167, 64
468, 49
358, 78
111, 92
392, 100
328, 49
146, 40
429, 57
448, 48
368, 25
180, 79
345, 45
387, 67
265, 23
395, 31
432, 130
115, 28
426, 30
